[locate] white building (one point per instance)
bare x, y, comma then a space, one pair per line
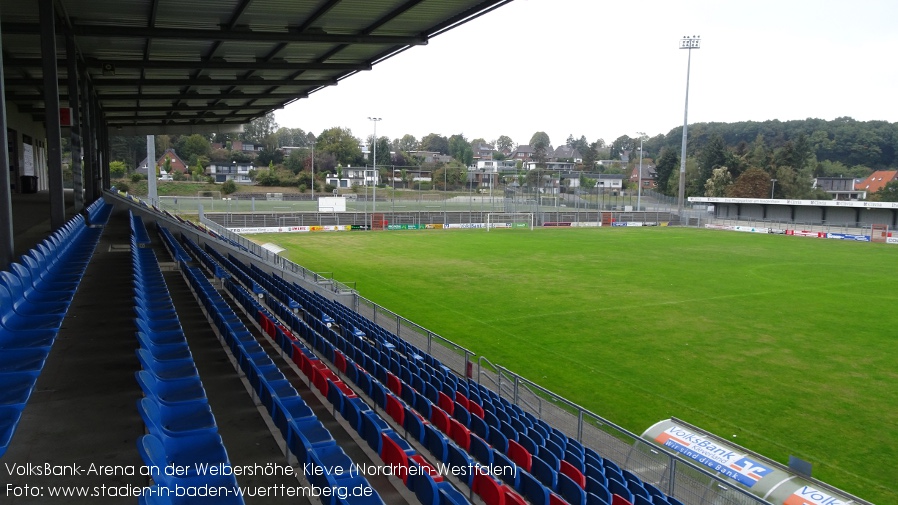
234, 171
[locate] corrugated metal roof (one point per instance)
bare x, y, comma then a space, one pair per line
213, 63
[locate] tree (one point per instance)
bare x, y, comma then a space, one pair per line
408, 143
504, 142
666, 167
590, 156
266, 156
449, 175
292, 137
131, 150
192, 147
460, 149
116, 169
383, 150
261, 131
435, 143
888, 193
540, 138
341, 143
713, 156
620, 145
228, 187
753, 183
716, 185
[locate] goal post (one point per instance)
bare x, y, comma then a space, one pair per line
879, 232
511, 220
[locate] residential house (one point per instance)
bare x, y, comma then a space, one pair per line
567, 152
649, 177
523, 153
483, 151
552, 166
841, 188
431, 156
233, 171
412, 176
354, 176
177, 164
876, 181
605, 182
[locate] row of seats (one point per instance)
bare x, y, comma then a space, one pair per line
416, 472
181, 429
307, 438
35, 295
576, 473
392, 448
559, 463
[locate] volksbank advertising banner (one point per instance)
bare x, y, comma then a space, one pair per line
848, 236
707, 452
808, 495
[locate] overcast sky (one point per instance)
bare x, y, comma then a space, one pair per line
606, 69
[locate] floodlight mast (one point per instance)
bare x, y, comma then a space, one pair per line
689, 43
374, 191
639, 178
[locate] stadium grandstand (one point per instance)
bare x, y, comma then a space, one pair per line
149, 359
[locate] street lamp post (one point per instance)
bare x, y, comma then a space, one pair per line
688, 43
374, 191
772, 187
639, 178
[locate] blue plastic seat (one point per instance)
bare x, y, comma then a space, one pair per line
460, 462
167, 370
22, 360
570, 490
16, 388
481, 451
16, 314
33, 275
183, 452
335, 466
303, 435
172, 392
176, 420
286, 409
533, 489
9, 420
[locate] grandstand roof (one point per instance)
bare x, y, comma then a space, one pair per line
175, 67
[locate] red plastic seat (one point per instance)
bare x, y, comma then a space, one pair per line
572, 472
519, 455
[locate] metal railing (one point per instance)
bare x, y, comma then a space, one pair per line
670, 473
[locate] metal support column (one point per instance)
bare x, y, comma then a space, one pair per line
89, 139
75, 104
7, 246
152, 195
51, 106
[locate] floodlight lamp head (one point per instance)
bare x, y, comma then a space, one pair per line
693, 42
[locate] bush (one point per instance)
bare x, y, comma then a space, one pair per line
123, 186
177, 175
329, 188
135, 177
228, 187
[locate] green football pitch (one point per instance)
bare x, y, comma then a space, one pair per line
787, 344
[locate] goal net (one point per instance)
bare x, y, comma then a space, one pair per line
512, 220
879, 232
